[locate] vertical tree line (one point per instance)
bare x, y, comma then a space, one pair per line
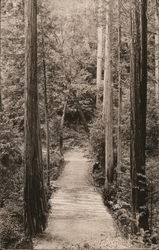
35, 203
157, 62
0, 64
99, 49
0, 98
34, 190
47, 129
108, 100
157, 48
138, 112
119, 146
138, 93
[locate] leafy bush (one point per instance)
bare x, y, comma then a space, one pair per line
10, 160
11, 189
97, 139
11, 229
11, 215
81, 96
56, 161
152, 126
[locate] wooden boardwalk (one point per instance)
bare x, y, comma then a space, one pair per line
79, 219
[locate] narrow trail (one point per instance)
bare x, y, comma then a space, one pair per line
79, 219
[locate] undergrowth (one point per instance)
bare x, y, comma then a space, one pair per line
11, 187
119, 197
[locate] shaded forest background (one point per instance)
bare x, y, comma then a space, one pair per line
67, 43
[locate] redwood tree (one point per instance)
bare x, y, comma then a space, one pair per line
138, 112
0, 66
157, 49
119, 96
0, 99
47, 129
99, 49
35, 204
157, 62
108, 100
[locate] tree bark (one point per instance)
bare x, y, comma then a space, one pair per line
35, 204
157, 51
1, 63
157, 65
108, 102
99, 50
119, 96
47, 130
138, 112
0, 98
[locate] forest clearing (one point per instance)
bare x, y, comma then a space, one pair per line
79, 124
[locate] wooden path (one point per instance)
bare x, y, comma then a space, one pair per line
79, 219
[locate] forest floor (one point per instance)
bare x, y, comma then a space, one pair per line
78, 218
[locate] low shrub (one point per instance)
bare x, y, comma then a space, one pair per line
97, 140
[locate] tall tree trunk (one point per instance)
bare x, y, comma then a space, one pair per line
47, 130
119, 96
157, 51
0, 65
35, 204
99, 50
138, 112
108, 102
0, 97
157, 65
